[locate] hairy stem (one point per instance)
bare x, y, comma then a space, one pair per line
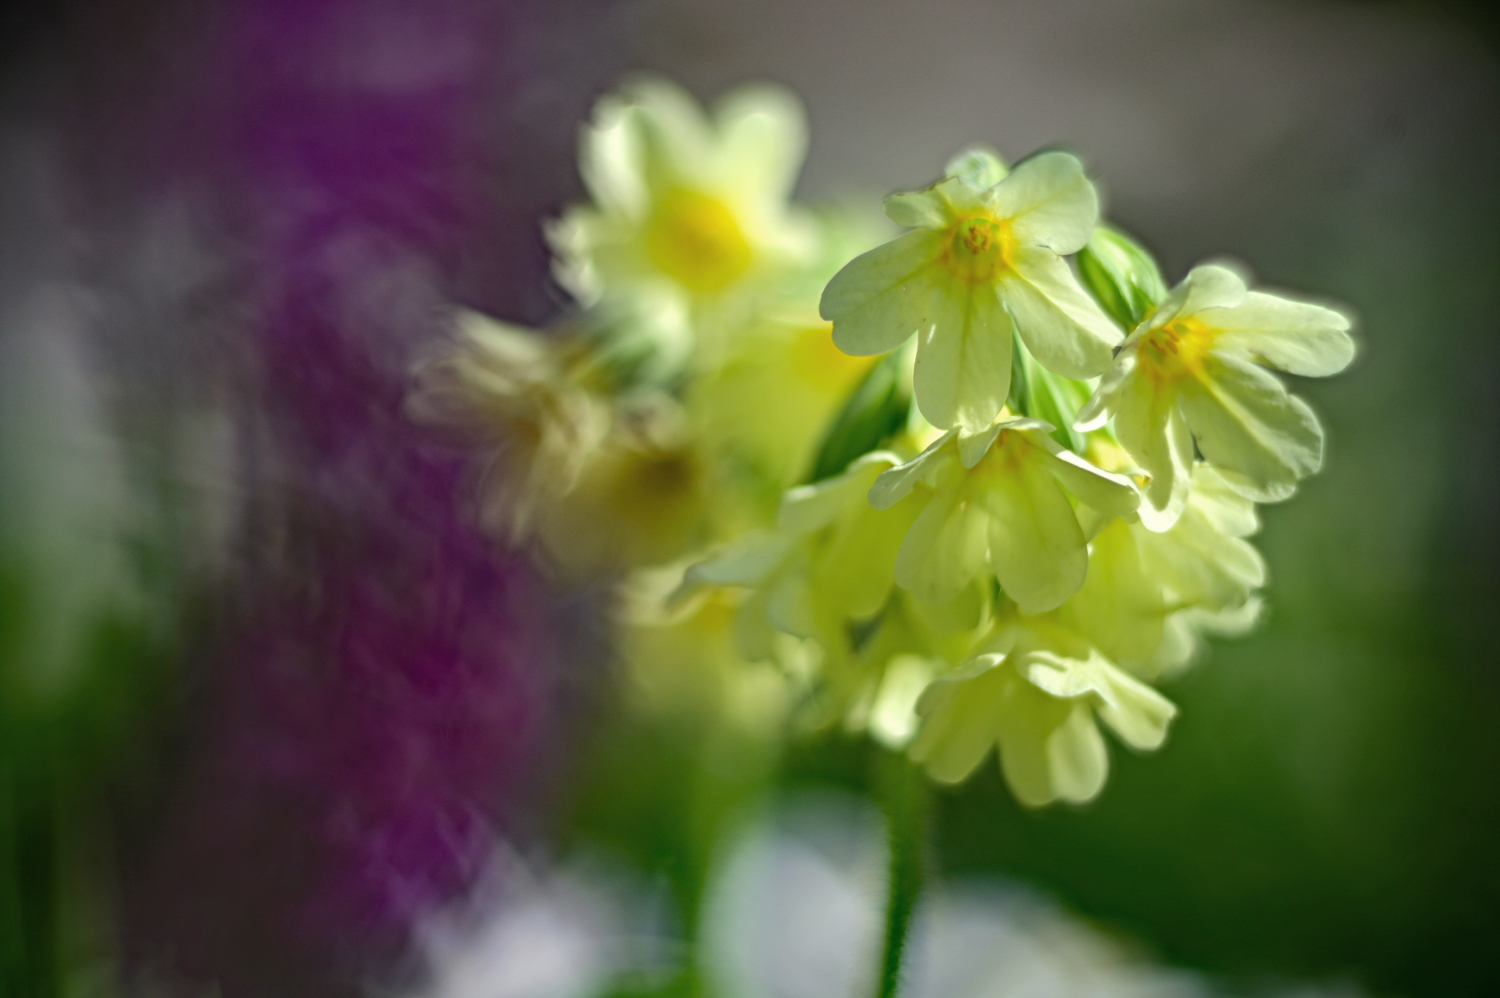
902, 792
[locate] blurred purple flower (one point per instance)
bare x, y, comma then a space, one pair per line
384, 690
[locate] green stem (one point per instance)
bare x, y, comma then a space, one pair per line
902, 790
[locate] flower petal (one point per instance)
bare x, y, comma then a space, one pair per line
1151, 428
1203, 559
896, 483
1247, 425
962, 371
881, 297
980, 165
1077, 757
958, 726
1135, 711
1063, 327
674, 134
1207, 286
944, 548
1049, 201
1225, 509
1289, 335
748, 562
918, 209
1050, 749
856, 564
1036, 546
1203, 567
1059, 676
609, 159
1107, 493
762, 141
1120, 609
810, 507
1102, 404
972, 447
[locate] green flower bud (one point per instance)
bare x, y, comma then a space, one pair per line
981, 166
1121, 275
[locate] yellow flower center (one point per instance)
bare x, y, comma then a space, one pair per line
1177, 350
696, 241
978, 249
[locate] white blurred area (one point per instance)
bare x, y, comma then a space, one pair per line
795, 911
570, 931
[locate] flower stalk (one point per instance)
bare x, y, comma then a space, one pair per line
904, 797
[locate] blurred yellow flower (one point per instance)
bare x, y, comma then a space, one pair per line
512, 389
601, 483
829, 565
692, 205
683, 660
766, 407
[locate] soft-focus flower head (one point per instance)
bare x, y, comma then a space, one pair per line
1035, 695
511, 387
1007, 494
765, 407
683, 660
983, 262
1193, 374
639, 500
601, 480
685, 202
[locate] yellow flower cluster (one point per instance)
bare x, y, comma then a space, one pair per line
666, 414
997, 536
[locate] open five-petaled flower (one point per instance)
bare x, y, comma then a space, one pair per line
1004, 492
984, 260
1192, 373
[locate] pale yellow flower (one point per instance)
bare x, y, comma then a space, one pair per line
685, 203
1005, 496
1148, 593
984, 260
682, 659
1035, 695
830, 560
1191, 373
825, 573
